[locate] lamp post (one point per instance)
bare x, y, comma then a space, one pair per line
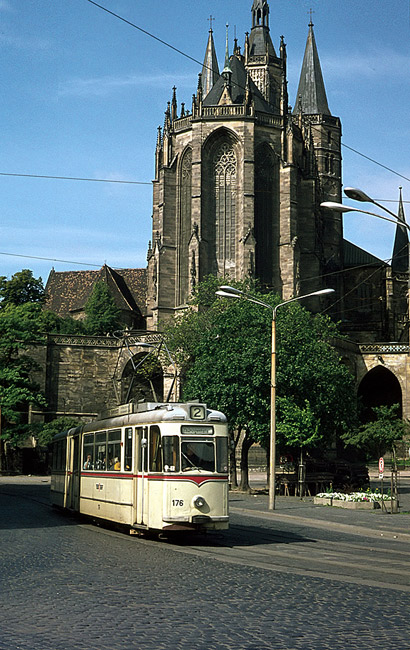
359, 195
230, 292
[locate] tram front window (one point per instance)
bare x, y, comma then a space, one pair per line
199, 455
170, 449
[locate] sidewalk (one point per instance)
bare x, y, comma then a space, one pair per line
374, 523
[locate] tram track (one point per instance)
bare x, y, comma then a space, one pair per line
303, 565
301, 550
291, 553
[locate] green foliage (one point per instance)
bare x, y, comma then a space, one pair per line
102, 315
379, 436
23, 323
46, 432
21, 289
224, 349
54, 324
18, 329
298, 426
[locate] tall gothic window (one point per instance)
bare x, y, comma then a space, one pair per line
266, 215
185, 225
225, 174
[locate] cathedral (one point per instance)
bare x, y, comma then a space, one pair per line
239, 179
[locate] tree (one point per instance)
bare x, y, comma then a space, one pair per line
46, 432
18, 330
23, 322
21, 289
102, 315
379, 436
223, 349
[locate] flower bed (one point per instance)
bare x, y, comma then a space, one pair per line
354, 501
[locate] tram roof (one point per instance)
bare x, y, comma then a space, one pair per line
147, 412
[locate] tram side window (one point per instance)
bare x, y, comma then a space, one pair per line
101, 450
114, 450
141, 434
88, 451
155, 460
59, 454
128, 449
170, 449
222, 455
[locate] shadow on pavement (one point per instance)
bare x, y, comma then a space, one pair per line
28, 506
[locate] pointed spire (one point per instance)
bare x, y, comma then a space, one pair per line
400, 259
210, 69
174, 105
260, 41
311, 86
227, 66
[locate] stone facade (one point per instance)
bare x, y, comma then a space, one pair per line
81, 376
239, 180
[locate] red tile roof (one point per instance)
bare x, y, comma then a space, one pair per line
68, 291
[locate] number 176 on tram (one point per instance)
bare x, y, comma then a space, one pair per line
150, 466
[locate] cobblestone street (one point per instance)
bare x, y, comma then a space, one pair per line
66, 584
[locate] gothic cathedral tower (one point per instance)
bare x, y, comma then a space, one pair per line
239, 178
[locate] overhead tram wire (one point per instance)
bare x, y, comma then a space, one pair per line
51, 259
144, 31
74, 178
191, 58
124, 182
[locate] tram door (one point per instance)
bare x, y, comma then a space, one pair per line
141, 463
73, 496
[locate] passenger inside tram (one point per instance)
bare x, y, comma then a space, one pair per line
198, 455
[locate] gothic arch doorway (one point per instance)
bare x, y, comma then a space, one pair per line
145, 382
379, 387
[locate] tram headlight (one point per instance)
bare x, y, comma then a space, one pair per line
198, 502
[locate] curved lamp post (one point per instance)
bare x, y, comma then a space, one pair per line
359, 195
230, 292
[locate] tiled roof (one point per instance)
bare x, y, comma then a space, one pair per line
68, 291
355, 256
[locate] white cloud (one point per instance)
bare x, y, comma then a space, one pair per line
24, 42
103, 86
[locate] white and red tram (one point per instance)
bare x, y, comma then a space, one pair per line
150, 466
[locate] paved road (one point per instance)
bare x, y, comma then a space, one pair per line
283, 581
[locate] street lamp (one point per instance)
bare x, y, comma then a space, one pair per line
230, 292
341, 207
359, 195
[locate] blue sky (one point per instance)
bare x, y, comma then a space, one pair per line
83, 94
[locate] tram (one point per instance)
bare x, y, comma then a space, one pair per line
147, 466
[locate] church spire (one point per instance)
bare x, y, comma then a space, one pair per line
260, 42
400, 259
210, 69
227, 66
311, 95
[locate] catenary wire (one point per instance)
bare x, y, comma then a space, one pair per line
76, 178
172, 47
146, 182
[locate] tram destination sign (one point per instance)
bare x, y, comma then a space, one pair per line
197, 430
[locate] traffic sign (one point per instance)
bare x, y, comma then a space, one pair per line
381, 465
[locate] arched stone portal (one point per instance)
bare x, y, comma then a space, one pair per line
379, 387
